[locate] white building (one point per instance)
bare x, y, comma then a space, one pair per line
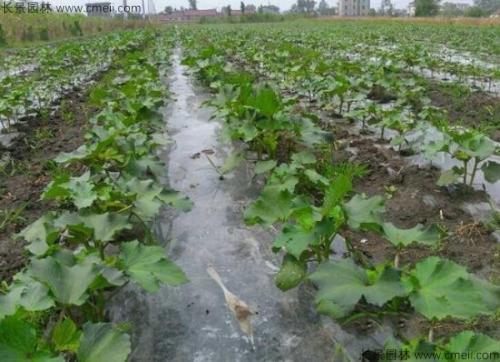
354, 7
412, 8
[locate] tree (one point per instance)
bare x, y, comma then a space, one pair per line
323, 7
169, 10
426, 7
386, 8
489, 6
450, 10
269, 9
475, 12
193, 5
242, 7
303, 6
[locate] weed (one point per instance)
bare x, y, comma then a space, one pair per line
12, 217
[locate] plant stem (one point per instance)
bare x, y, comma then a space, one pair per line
148, 232
396, 258
465, 171
474, 170
100, 246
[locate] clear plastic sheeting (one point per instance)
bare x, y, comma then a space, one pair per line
193, 322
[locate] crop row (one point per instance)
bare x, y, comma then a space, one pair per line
482, 41
59, 70
314, 200
354, 88
98, 236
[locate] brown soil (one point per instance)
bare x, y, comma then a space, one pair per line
471, 109
419, 200
30, 171
416, 200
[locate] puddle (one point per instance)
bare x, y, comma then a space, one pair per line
192, 322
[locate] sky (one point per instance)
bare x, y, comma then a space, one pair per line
235, 4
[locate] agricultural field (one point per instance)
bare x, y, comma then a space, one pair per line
307, 190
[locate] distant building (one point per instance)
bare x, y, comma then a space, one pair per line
189, 15
400, 12
269, 9
412, 8
99, 9
250, 9
455, 6
354, 7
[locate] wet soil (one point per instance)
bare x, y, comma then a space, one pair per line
417, 199
471, 109
192, 322
29, 169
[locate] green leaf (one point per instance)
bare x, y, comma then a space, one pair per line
17, 339
100, 342
448, 177
104, 226
315, 177
440, 288
306, 216
491, 171
82, 190
148, 266
248, 131
338, 189
271, 206
148, 197
176, 200
291, 274
363, 213
470, 343
68, 284
231, 162
294, 239
18, 343
266, 101
303, 158
10, 301
35, 296
146, 164
66, 336
27, 293
265, 166
79, 189
80, 153
342, 284
478, 145
418, 234
40, 234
